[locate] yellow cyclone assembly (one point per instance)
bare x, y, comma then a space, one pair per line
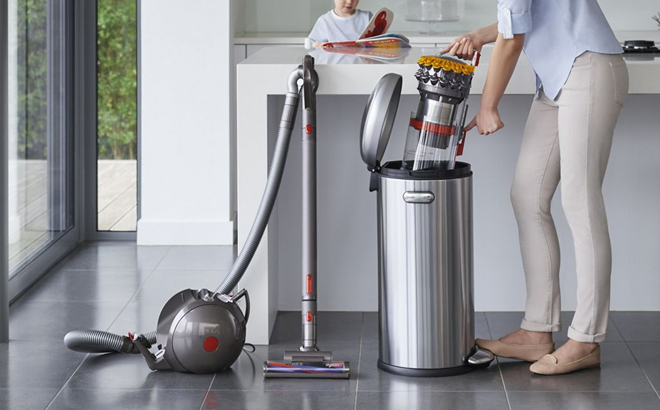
445, 64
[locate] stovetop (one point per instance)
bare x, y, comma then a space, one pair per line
640, 50
639, 47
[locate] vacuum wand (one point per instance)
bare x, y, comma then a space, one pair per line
309, 243
308, 361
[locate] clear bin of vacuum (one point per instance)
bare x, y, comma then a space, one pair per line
438, 138
435, 132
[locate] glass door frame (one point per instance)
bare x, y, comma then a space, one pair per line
4, 175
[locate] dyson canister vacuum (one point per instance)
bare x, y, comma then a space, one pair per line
201, 331
424, 212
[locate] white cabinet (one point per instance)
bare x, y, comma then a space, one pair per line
253, 48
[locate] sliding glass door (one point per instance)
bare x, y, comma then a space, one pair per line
40, 135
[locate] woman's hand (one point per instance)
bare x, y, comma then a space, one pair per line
464, 46
486, 121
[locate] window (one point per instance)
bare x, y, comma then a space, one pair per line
40, 136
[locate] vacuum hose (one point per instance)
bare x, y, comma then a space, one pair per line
96, 341
272, 186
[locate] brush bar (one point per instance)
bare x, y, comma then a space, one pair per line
307, 370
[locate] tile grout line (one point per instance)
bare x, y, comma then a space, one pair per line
109, 326
499, 368
207, 392
67, 381
357, 381
636, 361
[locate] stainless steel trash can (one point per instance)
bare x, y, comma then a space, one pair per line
425, 268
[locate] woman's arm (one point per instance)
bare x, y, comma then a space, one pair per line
502, 63
464, 46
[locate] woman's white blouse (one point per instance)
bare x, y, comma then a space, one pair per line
556, 32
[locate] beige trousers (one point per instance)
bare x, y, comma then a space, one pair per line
569, 138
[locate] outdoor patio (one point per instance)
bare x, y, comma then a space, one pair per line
29, 229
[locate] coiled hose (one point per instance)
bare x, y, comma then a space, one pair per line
96, 341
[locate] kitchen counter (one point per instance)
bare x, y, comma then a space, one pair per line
264, 75
298, 38
351, 74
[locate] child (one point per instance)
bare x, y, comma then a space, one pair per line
344, 23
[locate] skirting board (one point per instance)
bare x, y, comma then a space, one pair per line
209, 232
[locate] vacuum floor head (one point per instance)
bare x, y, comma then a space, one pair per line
313, 364
307, 370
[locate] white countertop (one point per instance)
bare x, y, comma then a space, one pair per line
295, 38
351, 74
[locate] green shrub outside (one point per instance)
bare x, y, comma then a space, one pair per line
116, 79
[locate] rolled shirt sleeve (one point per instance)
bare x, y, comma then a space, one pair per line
514, 17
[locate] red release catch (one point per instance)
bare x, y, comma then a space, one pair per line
308, 129
461, 145
309, 316
309, 284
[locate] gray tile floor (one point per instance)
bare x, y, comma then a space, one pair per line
121, 287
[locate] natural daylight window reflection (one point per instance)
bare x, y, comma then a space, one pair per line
40, 140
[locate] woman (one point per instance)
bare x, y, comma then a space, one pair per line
582, 84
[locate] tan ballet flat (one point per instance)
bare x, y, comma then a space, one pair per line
548, 364
528, 353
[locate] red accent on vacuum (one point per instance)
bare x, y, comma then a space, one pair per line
459, 150
476, 58
309, 285
309, 316
211, 344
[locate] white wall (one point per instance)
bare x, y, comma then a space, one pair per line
186, 123
347, 211
300, 15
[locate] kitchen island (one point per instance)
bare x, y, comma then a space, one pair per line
346, 215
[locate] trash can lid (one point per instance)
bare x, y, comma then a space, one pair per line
378, 119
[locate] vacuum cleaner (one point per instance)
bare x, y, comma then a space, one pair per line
203, 331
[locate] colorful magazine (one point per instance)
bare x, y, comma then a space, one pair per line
384, 40
373, 35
